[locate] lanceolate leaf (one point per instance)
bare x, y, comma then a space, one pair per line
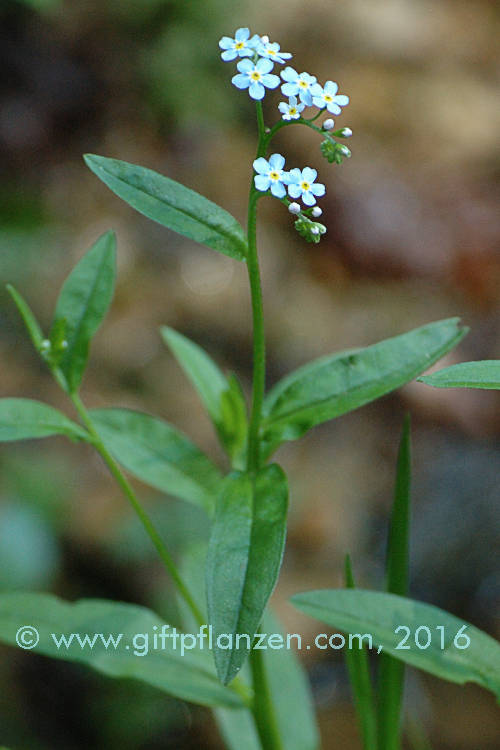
171, 204
482, 374
339, 383
435, 640
82, 305
159, 455
243, 562
358, 668
391, 671
22, 419
30, 321
189, 676
221, 396
291, 698
294, 706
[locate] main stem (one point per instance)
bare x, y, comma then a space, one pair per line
259, 345
263, 708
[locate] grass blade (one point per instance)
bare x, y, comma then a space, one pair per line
359, 676
391, 671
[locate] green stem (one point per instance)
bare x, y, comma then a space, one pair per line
286, 123
262, 708
141, 513
259, 346
237, 685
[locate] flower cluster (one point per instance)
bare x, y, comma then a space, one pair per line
254, 74
256, 57
300, 182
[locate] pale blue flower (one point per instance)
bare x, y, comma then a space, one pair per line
240, 46
270, 174
255, 77
292, 110
298, 84
326, 96
301, 185
272, 50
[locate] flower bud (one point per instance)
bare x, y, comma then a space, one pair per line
328, 124
294, 208
264, 39
345, 133
311, 231
316, 212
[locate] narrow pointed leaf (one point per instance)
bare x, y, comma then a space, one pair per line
81, 307
482, 374
469, 655
291, 697
158, 454
391, 671
189, 676
26, 313
294, 706
23, 419
171, 204
244, 557
221, 396
358, 668
339, 383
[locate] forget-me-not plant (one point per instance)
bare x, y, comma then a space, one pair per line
267, 707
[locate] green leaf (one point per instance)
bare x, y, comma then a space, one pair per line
482, 374
379, 614
158, 454
293, 706
30, 321
171, 204
336, 384
221, 396
391, 671
358, 668
82, 305
189, 676
244, 557
23, 419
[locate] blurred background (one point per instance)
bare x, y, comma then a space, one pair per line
413, 236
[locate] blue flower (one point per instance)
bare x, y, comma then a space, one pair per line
255, 77
271, 175
298, 85
272, 50
240, 46
292, 110
301, 185
327, 96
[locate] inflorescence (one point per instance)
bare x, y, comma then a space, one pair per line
257, 57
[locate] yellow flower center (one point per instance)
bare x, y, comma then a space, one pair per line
239, 45
305, 185
255, 75
292, 110
271, 51
274, 175
328, 98
303, 84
